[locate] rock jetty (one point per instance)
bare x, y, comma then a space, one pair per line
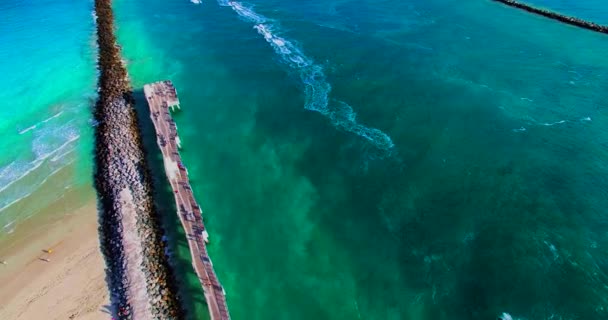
556, 16
139, 275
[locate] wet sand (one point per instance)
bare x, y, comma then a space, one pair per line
72, 284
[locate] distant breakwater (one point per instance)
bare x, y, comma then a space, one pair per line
556, 16
141, 281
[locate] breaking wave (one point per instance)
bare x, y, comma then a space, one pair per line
7, 204
50, 149
39, 123
316, 87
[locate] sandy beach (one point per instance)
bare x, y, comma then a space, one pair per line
71, 285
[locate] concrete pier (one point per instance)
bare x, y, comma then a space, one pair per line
162, 98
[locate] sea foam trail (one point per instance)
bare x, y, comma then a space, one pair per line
316, 87
550, 124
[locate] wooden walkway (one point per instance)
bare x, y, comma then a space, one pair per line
162, 98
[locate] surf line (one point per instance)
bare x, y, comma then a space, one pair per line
40, 123
316, 87
556, 16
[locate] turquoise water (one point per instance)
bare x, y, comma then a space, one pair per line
383, 159
389, 159
47, 56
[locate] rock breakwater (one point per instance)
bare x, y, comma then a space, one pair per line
140, 278
556, 16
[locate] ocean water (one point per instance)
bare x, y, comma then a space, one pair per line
434, 159
47, 56
389, 159
370, 159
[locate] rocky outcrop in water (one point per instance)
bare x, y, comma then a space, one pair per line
121, 169
556, 16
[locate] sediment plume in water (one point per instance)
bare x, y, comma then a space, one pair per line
139, 276
556, 16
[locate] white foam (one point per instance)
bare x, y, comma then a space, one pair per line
196, 1
45, 140
23, 173
62, 155
15, 201
316, 87
505, 316
9, 224
40, 123
553, 249
246, 13
522, 129
52, 117
35, 187
346, 118
549, 124
27, 129
9, 172
18, 170
586, 119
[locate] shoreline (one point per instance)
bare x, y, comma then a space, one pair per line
71, 285
48, 193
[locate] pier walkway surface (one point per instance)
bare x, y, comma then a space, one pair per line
162, 97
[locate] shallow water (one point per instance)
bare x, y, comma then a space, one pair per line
47, 55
